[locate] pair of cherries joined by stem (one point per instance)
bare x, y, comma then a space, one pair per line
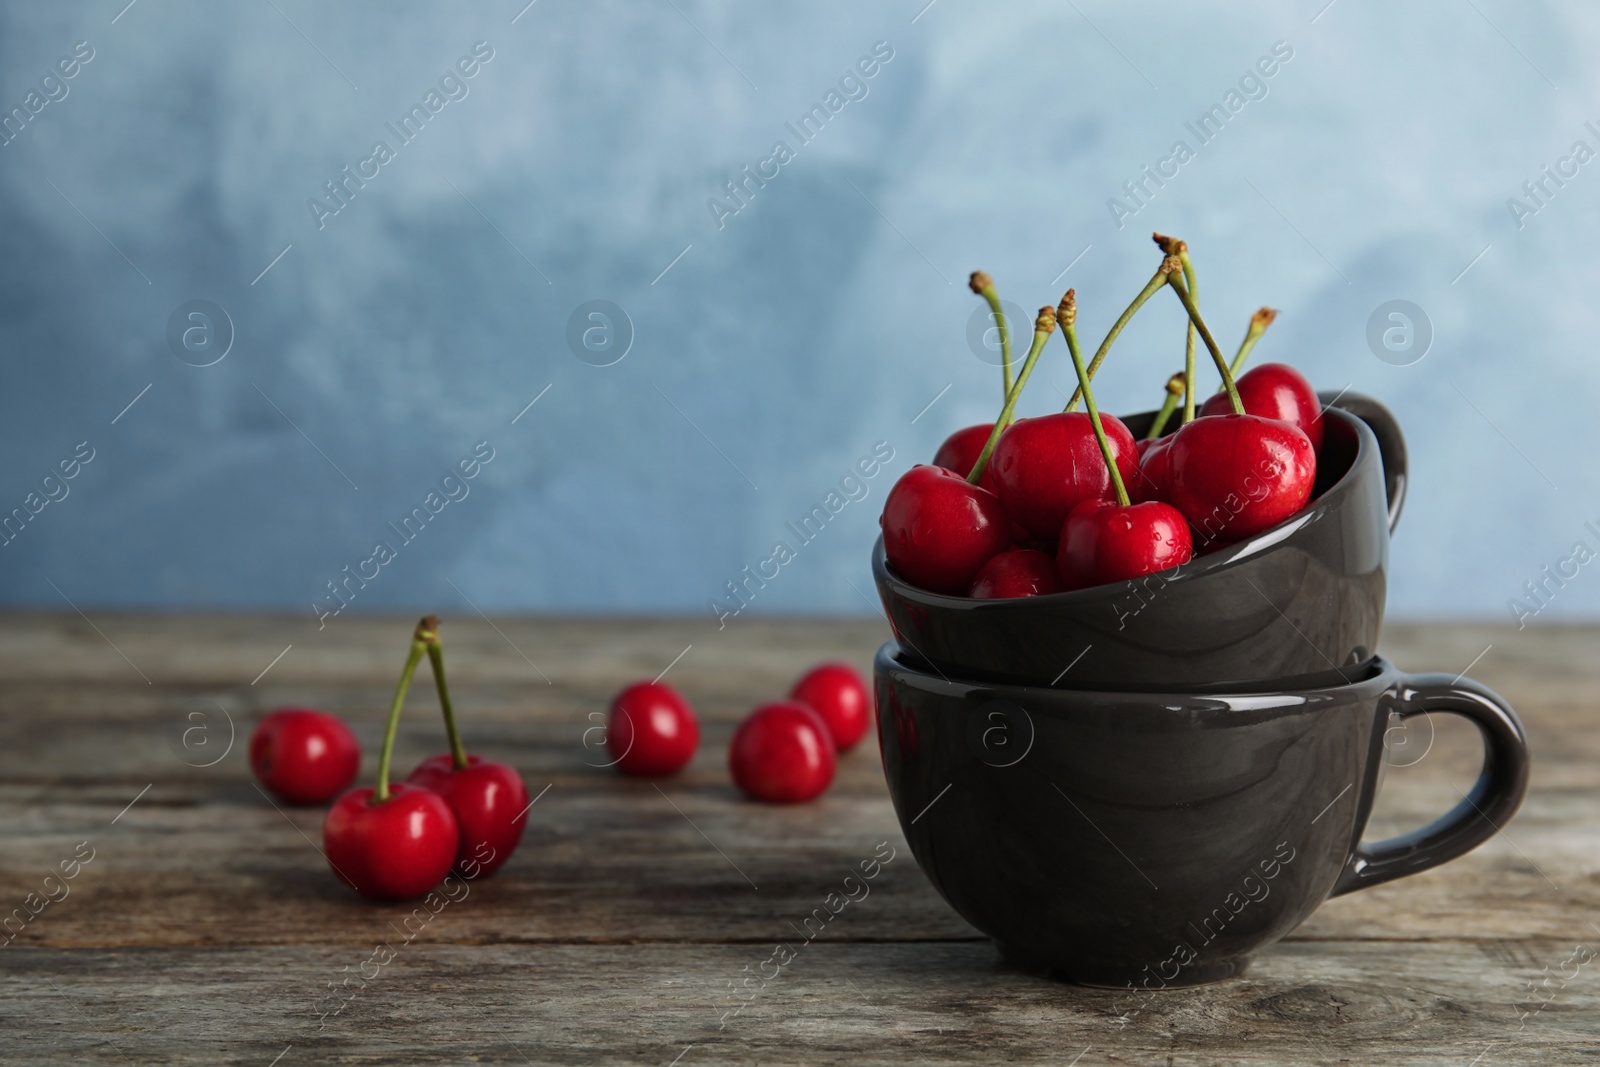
456, 810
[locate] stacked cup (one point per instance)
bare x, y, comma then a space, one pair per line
1144, 783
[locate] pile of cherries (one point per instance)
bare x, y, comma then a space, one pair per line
784, 752
1070, 500
395, 841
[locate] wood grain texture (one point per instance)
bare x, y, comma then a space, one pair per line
206, 928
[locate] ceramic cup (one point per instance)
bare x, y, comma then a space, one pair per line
1299, 604
1160, 839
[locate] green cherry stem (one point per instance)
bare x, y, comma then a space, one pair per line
1067, 315
1175, 391
418, 647
1146, 293
458, 751
1043, 327
983, 285
1173, 268
1171, 246
1188, 339
1258, 326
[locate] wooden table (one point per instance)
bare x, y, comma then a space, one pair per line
207, 928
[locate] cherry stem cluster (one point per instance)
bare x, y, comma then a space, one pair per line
1173, 269
1043, 326
1067, 315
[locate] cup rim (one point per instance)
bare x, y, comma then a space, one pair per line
1379, 675
1366, 449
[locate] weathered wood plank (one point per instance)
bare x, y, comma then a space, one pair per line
926, 1003
607, 859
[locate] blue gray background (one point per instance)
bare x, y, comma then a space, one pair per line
823, 317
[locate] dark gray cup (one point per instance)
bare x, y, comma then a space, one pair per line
1299, 604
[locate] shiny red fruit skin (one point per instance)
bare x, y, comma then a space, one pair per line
782, 754
651, 731
1151, 481
960, 452
938, 530
1103, 542
395, 850
1020, 572
1047, 466
489, 801
1233, 476
303, 756
837, 693
1275, 391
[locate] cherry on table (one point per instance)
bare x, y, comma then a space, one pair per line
1276, 391
939, 529
490, 803
392, 849
651, 730
304, 756
836, 692
1017, 573
782, 753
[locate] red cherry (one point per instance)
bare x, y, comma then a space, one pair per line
960, 450
1275, 391
938, 529
782, 754
1154, 466
959, 453
490, 803
1047, 466
1103, 542
304, 756
836, 692
1020, 572
1235, 475
651, 731
393, 850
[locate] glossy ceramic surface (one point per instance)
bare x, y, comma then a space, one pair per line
1160, 839
1300, 604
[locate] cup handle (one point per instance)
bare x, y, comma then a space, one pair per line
1492, 801
1391, 444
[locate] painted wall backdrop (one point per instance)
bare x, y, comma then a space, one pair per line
401, 228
